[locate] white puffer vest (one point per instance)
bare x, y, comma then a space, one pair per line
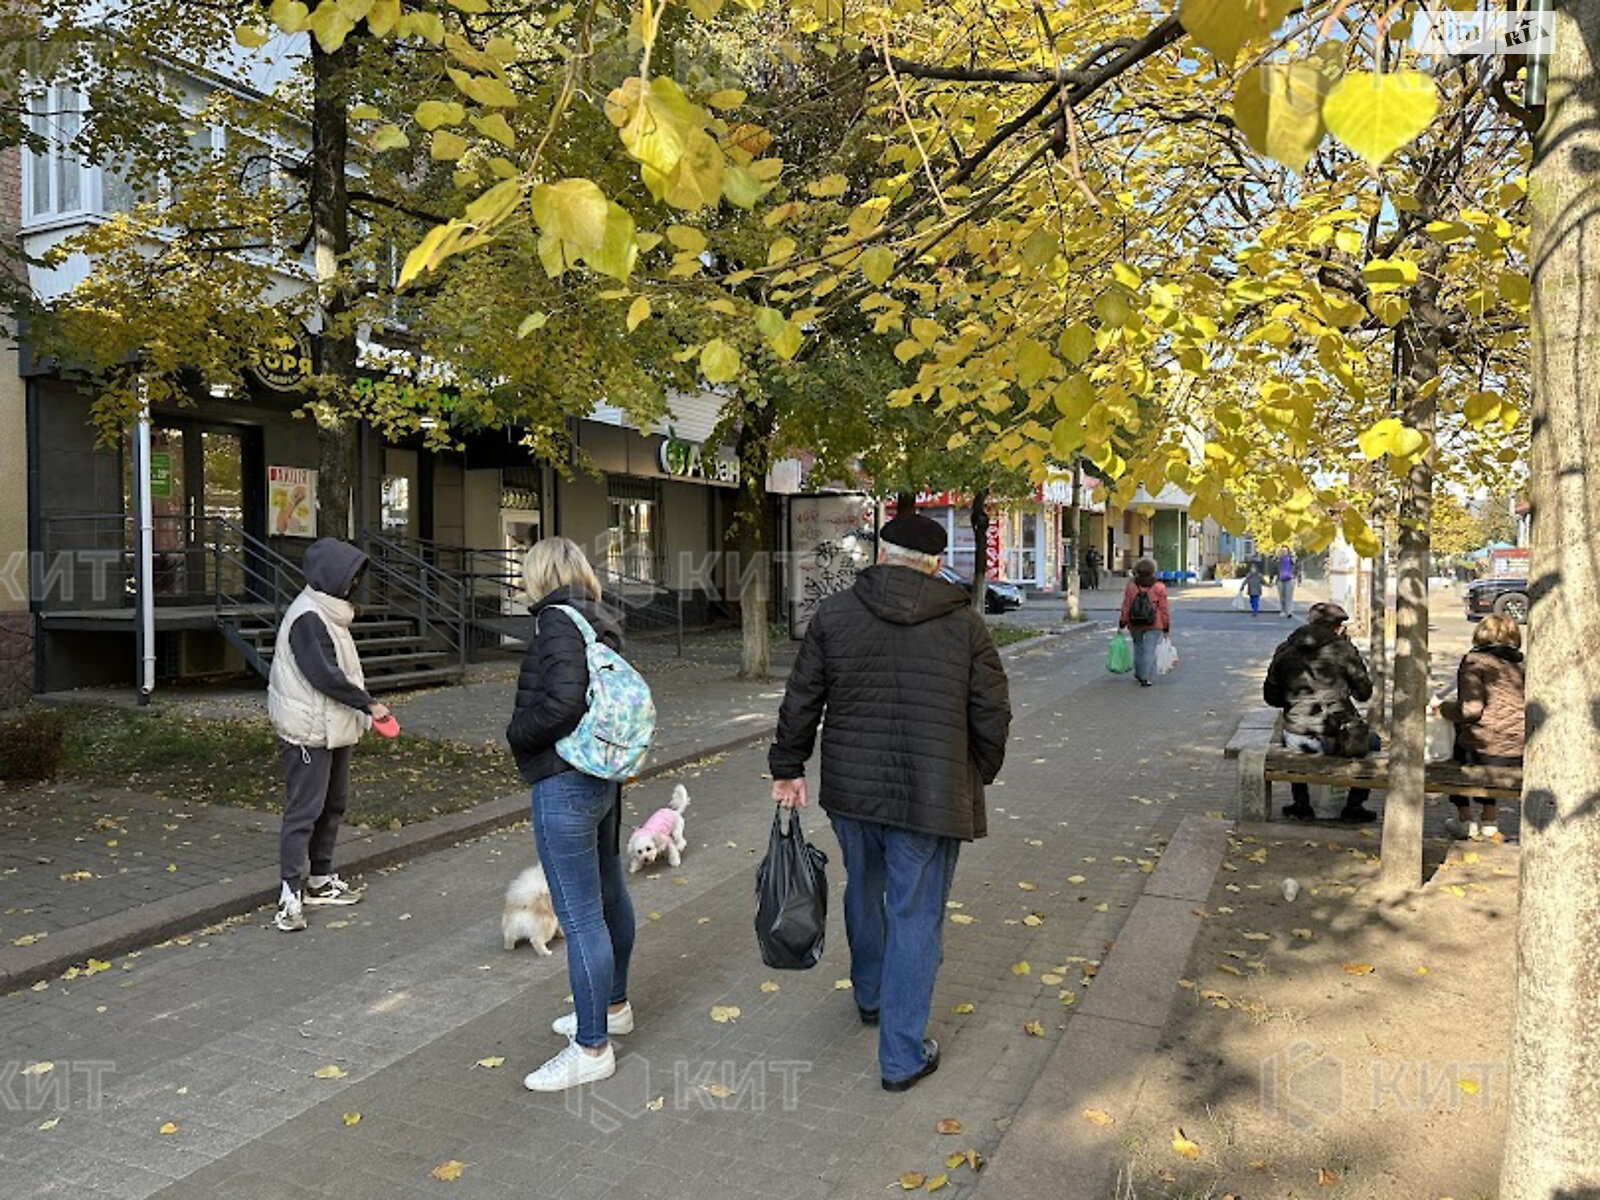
301, 714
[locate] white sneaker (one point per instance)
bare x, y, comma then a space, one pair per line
616, 1023
1466, 830
572, 1068
291, 916
1487, 832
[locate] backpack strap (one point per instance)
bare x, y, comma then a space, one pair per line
580, 621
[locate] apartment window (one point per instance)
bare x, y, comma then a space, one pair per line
58, 178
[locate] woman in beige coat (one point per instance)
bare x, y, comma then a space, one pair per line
1488, 715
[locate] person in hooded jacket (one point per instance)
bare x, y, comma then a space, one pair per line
1488, 715
918, 712
317, 698
577, 818
1316, 677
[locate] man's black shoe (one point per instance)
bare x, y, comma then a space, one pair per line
1300, 812
868, 1018
1358, 815
930, 1064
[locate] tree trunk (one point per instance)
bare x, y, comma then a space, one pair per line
1378, 625
1070, 550
1553, 1126
1402, 818
980, 548
330, 223
754, 510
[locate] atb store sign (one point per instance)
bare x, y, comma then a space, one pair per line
688, 460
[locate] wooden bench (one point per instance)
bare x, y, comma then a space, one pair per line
1260, 767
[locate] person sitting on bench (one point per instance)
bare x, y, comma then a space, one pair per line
1317, 677
1488, 716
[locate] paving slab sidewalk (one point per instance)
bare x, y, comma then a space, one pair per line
92, 872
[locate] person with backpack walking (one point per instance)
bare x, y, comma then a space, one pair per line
318, 702
577, 817
1146, 616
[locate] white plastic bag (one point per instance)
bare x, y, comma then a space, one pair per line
1440, 743
1166, 656
1241, 602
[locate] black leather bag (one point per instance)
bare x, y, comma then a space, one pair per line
791, 897
1353, 738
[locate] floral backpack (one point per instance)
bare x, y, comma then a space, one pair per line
613, 738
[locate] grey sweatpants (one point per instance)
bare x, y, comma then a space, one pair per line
316, 791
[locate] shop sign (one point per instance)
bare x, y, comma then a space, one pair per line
161, 476
292, 502
394, 393
284, 363
519, 499
688, 460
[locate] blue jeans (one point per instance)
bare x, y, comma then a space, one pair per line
896, 885
1144, 652
577, 825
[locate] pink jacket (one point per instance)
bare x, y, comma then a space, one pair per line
1158, 597
660, 823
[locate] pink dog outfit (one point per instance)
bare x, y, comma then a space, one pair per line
660, 824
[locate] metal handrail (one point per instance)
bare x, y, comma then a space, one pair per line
429, 590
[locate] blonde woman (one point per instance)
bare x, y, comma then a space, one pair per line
1488, 715
576, 817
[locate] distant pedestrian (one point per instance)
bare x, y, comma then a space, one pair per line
317, 698
577, 818
1091, 568
1287, 570
1253, 586
917, 716
1488, 715
1316, 677
1145, 614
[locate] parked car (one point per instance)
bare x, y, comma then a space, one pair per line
1509, 597
1001, 595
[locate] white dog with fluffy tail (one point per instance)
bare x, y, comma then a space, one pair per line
530, 915
661, 834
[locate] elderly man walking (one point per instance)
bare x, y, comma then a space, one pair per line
918, 713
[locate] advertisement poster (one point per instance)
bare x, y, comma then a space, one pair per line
291, 502
831, 538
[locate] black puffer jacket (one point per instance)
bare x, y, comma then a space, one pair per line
918, 709
553, 685
1315, 677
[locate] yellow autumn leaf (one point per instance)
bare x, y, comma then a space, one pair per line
961, 919
1225, 26
638, 312
449, 1171
1026, 886
1098, 1116
842, 985
490, 1064
47, 1126
330, 1072
39, 1068
352, 1118
938, 1183
1375, 115
963, 1009
1358, 968
1183, 1145
719, 362
768, 986
1075, 878
912, 1180
1033, 920
1021, 968
169, 1128
723, 1014
1304, 934
1033, 1029
949, 1125
432, 114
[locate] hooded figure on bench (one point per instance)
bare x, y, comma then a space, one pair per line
1317, 677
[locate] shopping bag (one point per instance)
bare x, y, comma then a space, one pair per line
1241, 602
1119, 658
791, 897
1441, 739
1166, 656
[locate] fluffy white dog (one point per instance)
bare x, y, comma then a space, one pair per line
530, 916
661, 834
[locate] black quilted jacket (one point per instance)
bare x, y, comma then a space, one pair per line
917, 705
553, 685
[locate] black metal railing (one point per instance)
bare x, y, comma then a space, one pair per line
400, 578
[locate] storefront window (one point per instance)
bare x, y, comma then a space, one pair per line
631, 539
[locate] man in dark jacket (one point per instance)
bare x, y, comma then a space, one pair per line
917, 718
1317, 677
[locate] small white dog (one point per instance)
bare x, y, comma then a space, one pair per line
530, 916
661, 834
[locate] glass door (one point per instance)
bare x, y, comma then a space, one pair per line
196, 478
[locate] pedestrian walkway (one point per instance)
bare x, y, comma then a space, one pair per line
408, 994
